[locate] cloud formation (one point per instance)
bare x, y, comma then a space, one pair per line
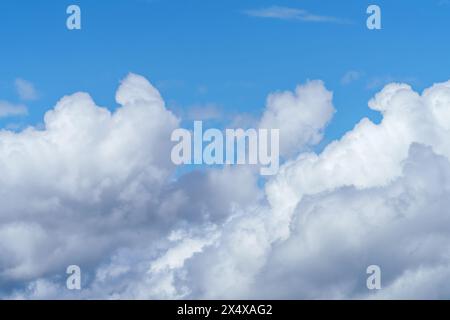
25, 90
81, 185
8, 109
97, 189
301, 116
286, 13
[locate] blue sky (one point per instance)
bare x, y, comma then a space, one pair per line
204, 52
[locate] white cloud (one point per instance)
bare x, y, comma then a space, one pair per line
337, 233
377, 196
99, 193
85, 182
286, 13
26, 90
9, 110
92, 182
301, 116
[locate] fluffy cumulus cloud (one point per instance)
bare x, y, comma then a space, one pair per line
84, 182
97, 189
301, 116
92, 182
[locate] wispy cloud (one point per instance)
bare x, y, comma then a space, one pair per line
350, 77
8, 109
378, 82
25, 90
286, 13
